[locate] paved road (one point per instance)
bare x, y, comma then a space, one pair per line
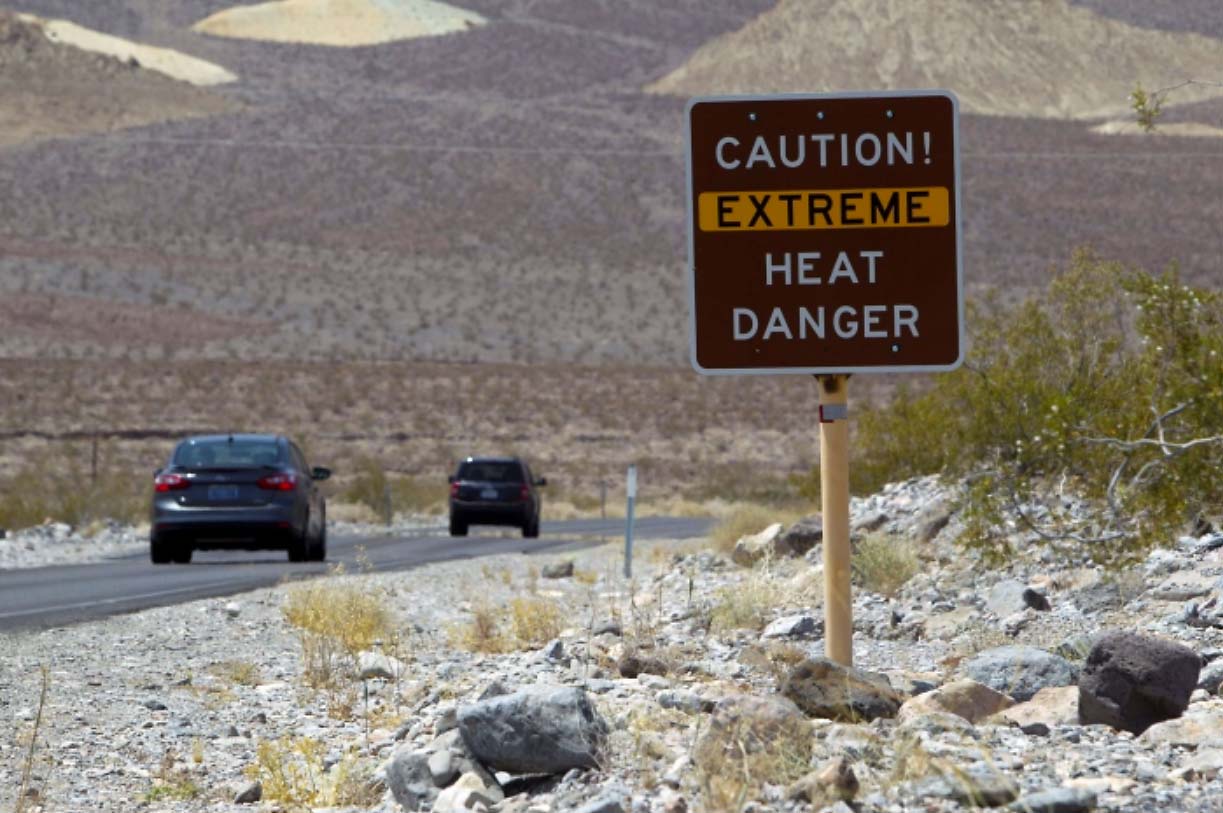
45, 597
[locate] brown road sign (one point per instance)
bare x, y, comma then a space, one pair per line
824, 233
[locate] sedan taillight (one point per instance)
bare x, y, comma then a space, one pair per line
278, 482
170, 482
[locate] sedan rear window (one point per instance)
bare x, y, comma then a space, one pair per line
223, 454
485, 472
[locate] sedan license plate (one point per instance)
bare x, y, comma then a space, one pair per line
489, 494
220, 493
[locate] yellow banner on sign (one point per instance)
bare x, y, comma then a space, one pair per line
793, 209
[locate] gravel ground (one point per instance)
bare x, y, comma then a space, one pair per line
170, 709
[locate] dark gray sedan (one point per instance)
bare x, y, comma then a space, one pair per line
245, 492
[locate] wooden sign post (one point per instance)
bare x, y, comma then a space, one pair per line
834, 496
824, 239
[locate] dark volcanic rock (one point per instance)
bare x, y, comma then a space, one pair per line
823, 688
802, 536
1133, 681
632, 664
541, 729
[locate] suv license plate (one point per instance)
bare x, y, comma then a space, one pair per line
219, 493
489, 494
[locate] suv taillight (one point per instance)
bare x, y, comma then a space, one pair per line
278, 482
524, 493
454, 489
170, 482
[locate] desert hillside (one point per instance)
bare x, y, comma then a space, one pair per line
1045, 58
510, 192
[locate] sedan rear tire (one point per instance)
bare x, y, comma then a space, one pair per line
316, 551
298, 548
160, 550
181, 553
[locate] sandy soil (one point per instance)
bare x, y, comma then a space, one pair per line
339, 22
1045, 59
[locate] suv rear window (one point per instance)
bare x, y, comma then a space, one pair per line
228, 454
487, 472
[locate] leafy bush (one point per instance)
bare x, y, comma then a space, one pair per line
1089, 415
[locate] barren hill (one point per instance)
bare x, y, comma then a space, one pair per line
1041, 58
338, 22
51, 88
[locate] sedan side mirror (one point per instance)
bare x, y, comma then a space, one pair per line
541, 481
156, 472
319, 473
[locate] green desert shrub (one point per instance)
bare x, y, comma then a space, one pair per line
1107, 387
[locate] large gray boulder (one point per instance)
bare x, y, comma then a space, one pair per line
1133, 681
826, 689
1020, 671
541, 729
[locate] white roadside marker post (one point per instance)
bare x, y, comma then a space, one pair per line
630, 490
834, 494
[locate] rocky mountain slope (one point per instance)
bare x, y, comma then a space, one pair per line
1030, 59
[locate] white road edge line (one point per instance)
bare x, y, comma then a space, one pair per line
116, 600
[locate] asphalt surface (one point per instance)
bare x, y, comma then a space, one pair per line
44, 597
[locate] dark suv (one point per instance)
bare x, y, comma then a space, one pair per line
250, 492
495, 491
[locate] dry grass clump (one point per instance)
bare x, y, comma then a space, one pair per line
747, 605
755, 600
884, 563
171, 783
337, 621
292, 772
522, 624
535, 621
237, 672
